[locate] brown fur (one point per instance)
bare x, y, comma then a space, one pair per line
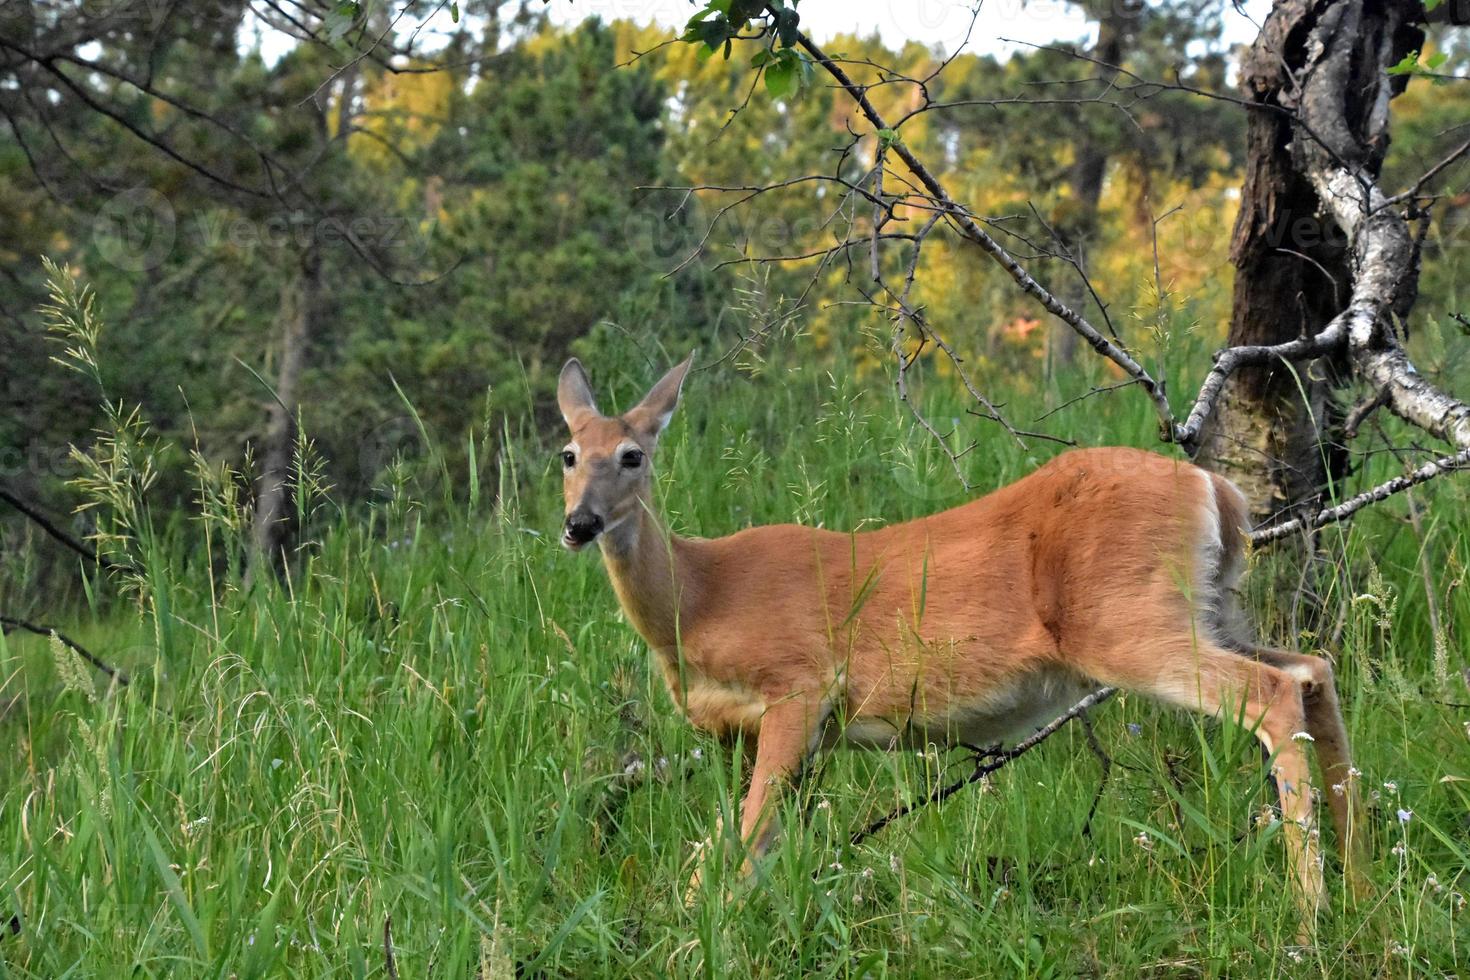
978, 624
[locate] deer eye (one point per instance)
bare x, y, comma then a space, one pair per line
568, 458
632, 459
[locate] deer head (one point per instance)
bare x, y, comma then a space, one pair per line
607, 465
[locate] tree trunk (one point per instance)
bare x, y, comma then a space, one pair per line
1077, 224
275, 485
1277, 429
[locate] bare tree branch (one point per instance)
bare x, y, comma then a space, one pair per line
10, 624
1349, 507
45, 524
988, 761
967, 226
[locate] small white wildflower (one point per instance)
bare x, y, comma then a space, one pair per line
1354, 772
824, 805
1399, 850
857, 898
696, 754
1338, 789
1144, 841
835, 866
1399, 949
1432, 883
867, 873
1405, 815
634, 767
1458, 901
1302, 737
1294, 953
894, 864
1391, 786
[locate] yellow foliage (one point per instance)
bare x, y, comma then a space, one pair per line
403, 110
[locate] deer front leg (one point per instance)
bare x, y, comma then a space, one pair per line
785, 740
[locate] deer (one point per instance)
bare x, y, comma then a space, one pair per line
976, 625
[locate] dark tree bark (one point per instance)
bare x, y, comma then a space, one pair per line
274, 494
1117, 24
1277, 431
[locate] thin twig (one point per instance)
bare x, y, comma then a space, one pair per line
987, 762
1349, 507
10, 624
58, 534
968, 227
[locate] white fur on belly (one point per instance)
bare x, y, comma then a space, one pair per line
1005, 716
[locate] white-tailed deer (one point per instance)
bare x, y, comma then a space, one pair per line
976, 625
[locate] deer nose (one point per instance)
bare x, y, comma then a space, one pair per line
582, 526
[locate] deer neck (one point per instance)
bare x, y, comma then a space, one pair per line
650, 569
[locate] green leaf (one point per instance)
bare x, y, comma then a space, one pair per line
1435, 60
781, 78
888, 136
702, 13
808, 71
454, 12
741, 11
1407, 66
1431, 4
714, 32
338, 23
787, 20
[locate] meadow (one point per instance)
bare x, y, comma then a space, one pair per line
434, 748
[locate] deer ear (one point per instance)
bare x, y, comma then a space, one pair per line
574, 393
650, 416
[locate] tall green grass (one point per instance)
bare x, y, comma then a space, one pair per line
439, 729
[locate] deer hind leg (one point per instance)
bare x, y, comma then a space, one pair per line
1334, 756
1194, 673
